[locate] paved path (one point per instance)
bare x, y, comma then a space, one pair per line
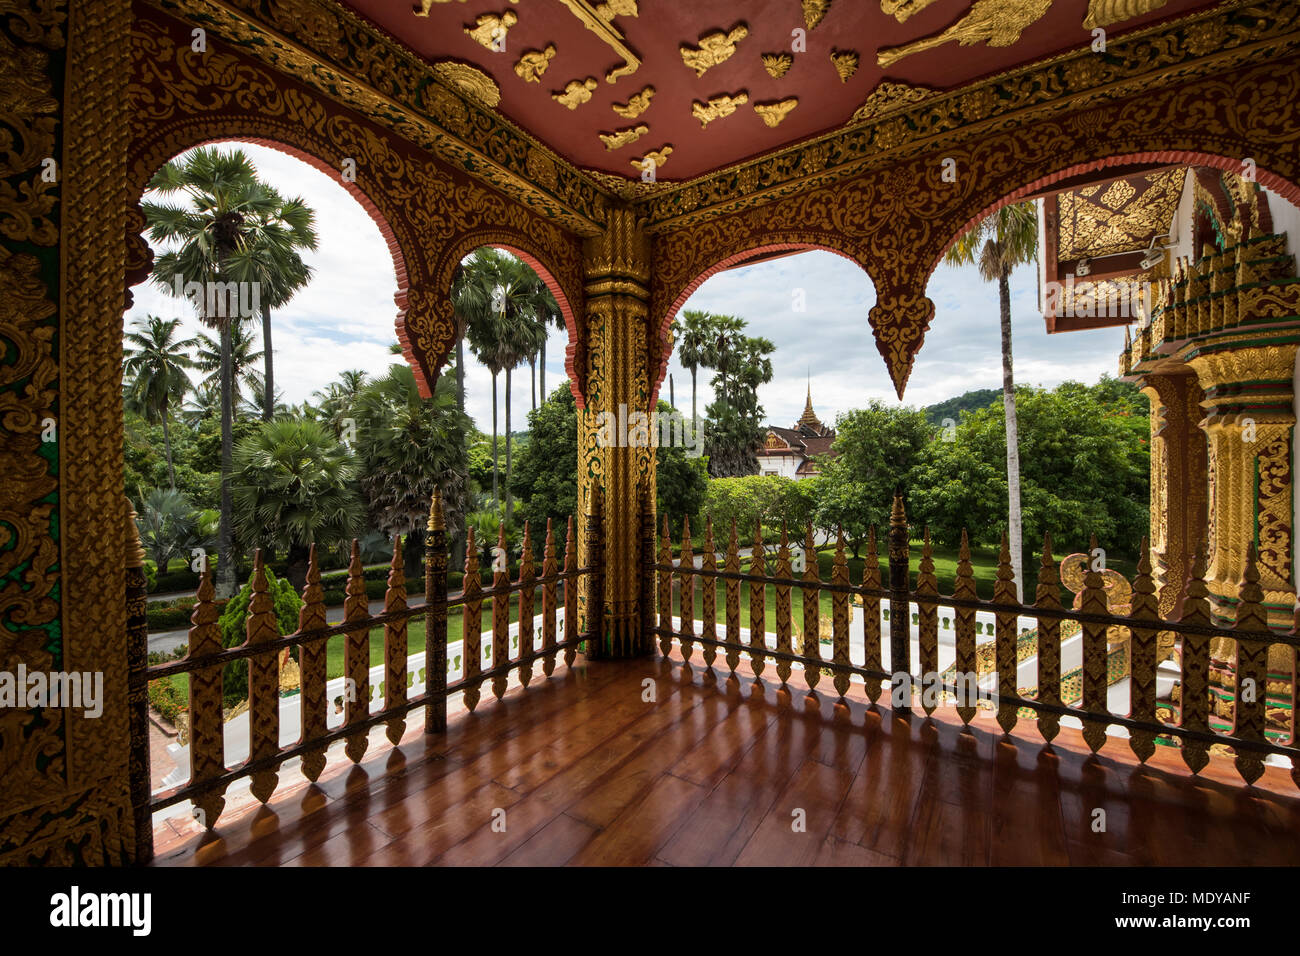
167, 641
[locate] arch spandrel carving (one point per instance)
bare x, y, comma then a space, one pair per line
430, 214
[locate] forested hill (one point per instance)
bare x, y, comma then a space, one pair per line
966, 402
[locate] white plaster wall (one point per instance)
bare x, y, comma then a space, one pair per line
784, 465
1286, 218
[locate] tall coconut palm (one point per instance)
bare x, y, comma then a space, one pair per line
269, 257
693, 330
218, 193
155, 365
246, 380
1004, 240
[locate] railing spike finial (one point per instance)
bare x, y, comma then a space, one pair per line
398, 561
549, 591
927, 616
437, 521
1092, 600
524, 629
312, 668
964, 627
501, 534
709, 595
396, 643
263, 682
1048, 597
758, 602
1250, 670
1005, 638
871, 618
1195, 679
1142, 656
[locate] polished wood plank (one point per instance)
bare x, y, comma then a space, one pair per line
580, 769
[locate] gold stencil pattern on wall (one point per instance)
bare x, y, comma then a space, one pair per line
777, 64
713, 48
846, 63
773, 113
621, 138
1102, 13
534, 63
490, 29
636, 104
717, 107
994, 22
471, 81
814, 11
576, 93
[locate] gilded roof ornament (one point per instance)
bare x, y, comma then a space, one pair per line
621, 138
470, 80
993, 22
777, 64
901, 10
636, 104
846, 63
890, 96
534, 63
713, 48
814, 11
1102, 13
490, 29
717, 107
653, 159
576, 92
773, 113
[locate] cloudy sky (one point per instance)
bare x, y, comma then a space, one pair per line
344, 320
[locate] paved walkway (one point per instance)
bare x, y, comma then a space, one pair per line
168, 641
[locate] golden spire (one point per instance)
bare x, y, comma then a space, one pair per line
809, 417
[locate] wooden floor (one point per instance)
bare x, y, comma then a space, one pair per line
714, 772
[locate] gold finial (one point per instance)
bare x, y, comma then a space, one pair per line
437, 522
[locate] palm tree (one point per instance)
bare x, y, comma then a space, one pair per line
219, 192
692, 331
243, 363
292, 488
337, 398
407, 446
156, 362
270, 258
168, 528
1001, 242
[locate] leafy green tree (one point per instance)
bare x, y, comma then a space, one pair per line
245, 378
155, 365
878, 448
545, 478
1086, 472
293, 487
952, 409
1001, 242
734, 429
406, 446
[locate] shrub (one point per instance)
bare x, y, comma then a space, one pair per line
285, 603
167, 700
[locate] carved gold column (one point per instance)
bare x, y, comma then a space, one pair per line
1179, 474
1249, 422
617, 273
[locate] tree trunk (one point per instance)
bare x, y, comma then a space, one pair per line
672, 396
167, 444
496, 496
460, 374
225, 583
298, 561
413, 552
1013, 439
695, 418
541, 366
268, 404
510, 498
532, 362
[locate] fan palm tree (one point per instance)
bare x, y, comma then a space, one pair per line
692, 332
218, 194
168, 527
243, 363
293, 487
269, 257
338, 398
155, 364
1004, 240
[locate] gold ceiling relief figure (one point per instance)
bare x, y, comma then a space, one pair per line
616, 8
576, 92
814, 11
994, 22
777, 64
901, 10
890, 96
714, 48
846, 63
1102, 13
599, 20
534, 63
717, 107
636, 104
471, 81
653, 159
773, 113
622, 137
490, 29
